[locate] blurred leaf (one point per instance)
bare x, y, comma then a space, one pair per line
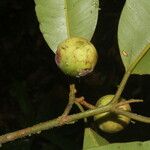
125, 146
134, 34
61, 19
92, 139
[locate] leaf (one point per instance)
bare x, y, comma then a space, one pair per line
125, 146
92, 139
61, 19
134, 35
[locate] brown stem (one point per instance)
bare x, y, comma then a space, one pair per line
36, 129
81, 109
128, 102
85, 103
71, 100
59, 122
132, 115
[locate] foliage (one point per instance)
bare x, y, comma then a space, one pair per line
134, 35
62, 19
72, 18
95, 142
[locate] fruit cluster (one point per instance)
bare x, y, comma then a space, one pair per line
111, 122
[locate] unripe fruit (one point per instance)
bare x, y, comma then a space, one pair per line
76, 56
110, 122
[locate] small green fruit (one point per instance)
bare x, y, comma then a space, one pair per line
76, 56
110, 122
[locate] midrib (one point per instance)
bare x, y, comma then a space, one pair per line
67, 18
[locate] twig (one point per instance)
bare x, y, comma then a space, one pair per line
81, 109
36, 129
59, 122
128, 102
132, 115
71, 100
128, 73
85, 103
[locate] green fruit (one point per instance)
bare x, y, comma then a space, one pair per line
76, 56
110, 122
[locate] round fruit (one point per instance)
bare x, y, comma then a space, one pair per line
111, 122
76, 56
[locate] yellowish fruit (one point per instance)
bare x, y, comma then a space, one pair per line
76, 56
110, 122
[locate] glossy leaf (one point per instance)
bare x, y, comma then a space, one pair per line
134, 34
92, 139
125, 146
61, 19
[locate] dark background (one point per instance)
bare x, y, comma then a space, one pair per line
33, 89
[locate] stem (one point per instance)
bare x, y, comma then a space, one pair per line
71, 100
50, 124
127, 74
128, 102
85, 103
36, 129
132, 115
81, 109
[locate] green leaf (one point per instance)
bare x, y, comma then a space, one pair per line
92, 139
125, 146
61, 19
134, 35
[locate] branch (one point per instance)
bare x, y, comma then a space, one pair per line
128, 102
128, 72
81, 109
36, 129
83, 102
132, 115
71, 100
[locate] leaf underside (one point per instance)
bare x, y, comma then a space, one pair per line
92, 139
61, 19
125, 146
134, 34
